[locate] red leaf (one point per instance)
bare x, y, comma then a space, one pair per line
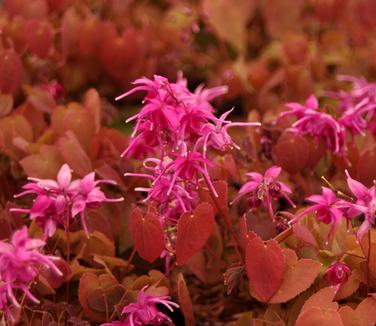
147, 234
305, 235
185, 301
193, 231
298, 277
265, 266
317, 316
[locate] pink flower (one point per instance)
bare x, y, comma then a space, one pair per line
145, 311
300, 110
328, 208
20, 263
358, 105
54, 88
365, 204
338, 273
216, 135
261, 189
171, 114
318, 124
89, 196
57, 202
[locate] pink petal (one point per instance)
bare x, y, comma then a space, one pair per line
312, 102
273, 172
64, 176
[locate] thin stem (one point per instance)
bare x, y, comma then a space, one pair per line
283, 235
368, 259
67, 234
132, 255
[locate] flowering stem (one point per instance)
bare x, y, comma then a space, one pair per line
68, 248
368, 259
226, 219
132, 255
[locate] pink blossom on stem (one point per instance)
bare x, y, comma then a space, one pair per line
318, 124
20, 263
365, 204
261, 189
358, 105
145, 311
329, 210
57, 202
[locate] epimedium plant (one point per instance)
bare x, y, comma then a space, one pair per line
193, 220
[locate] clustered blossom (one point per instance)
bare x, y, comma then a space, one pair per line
321, 125
332, 210
365, 204
145, 311
59, 202
261, 189
20, 262
338, 273
174, 131
357, 106
356, 114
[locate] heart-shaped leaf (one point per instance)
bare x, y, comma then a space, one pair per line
194, 230
147, 234
299, 276
363, 315
98, 295
316, 316
265, 266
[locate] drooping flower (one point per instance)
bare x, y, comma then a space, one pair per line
328, 207
58, 202
321, 125
21, 260
145, 311
365, 204
171, 114
357, 105
338, 273
261, 189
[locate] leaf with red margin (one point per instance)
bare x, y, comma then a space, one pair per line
322, 299
363, 315
194, 230
316, 316
147, 234
299, 276
265, 265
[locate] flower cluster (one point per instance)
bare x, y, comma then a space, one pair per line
261, 189
321, 125
20, 263
59, 202
145, 311
331, 210
358, 105
178, 128
356, 114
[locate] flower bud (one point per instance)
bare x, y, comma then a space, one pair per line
338, 273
